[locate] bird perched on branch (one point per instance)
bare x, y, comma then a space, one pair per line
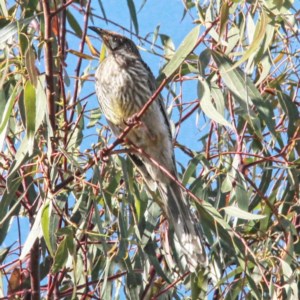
124, 83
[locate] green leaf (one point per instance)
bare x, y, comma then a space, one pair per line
206, 104
218, 97
102, 10
94, 117
152, 213
190, 170
8, 108
245, 92
41, 104
3, 8
267, 211
140, 202
266, 180
133, 283
76, 132
226, 184
99, 223
123, 237
12, 209
7, 198
74, 24
61, 256
291, 111
199, 284
240, 190
30, 108
20, 157
3, 253
185, 48
204, 59
257, 39
11, 29
169, 47
81, 55
155, 34
106, 286
30, 66
133, 16
234, 211
266, 65
65, 248
150, 250
233, 37
224, 17
34, 234
279, 7
142, 5
30, 111
45, 224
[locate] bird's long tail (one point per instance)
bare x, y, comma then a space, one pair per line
188, 235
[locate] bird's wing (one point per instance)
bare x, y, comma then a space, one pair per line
152, 85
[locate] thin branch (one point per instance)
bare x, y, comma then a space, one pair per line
50, 92
81, 48
61, 8
170, 285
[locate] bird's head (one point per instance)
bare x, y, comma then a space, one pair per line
116, 43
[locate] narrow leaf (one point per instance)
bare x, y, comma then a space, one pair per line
41, 104
258, 37
234, 211
224, 17
102, 10
8, 109
30, 66
245, 92
11, 29
30, 108
35, 233
61, 256
133, 15
206, 104
30, 111
45, 226
185, 48
190, 170
74, 24
19, 158
81, 55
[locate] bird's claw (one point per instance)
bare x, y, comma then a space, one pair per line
132, 121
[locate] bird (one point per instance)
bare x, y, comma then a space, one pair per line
124, 83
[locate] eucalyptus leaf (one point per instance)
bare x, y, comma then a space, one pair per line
185, 48
206, 104
236, 212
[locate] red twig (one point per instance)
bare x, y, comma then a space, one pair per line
49, 63
81, 48
170, 286
61, 8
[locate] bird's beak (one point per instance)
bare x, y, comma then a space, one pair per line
96, 29
103, 33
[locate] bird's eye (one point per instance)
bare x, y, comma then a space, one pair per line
115, 42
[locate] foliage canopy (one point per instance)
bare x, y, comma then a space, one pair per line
90, 228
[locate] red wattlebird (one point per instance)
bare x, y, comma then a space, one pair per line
124, 83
